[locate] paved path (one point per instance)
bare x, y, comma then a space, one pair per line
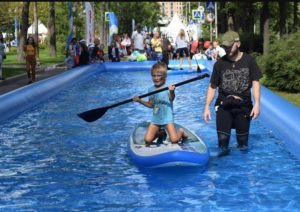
16, 82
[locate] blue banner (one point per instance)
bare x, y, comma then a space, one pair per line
113, 26
70, 16
70, 26
16, 31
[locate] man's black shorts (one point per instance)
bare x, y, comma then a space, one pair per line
238, 118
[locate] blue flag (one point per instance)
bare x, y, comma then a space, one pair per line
113, 25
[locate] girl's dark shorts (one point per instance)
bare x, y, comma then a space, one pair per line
183, 50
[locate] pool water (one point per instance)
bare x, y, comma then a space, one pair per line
51, 160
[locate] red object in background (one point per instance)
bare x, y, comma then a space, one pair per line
206, 44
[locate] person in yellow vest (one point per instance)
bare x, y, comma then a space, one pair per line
30, 57
156, 43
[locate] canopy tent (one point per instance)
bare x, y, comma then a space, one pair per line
42, 30
173, 28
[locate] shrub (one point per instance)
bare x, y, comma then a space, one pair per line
282, 68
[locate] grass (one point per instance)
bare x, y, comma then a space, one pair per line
11, 59
10, 72
291, 97
44, 55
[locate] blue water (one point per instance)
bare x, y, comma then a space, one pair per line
51, 160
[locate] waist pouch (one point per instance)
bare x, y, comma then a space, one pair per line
229, 102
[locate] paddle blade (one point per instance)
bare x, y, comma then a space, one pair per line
93, 115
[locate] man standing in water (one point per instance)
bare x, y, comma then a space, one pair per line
233, 75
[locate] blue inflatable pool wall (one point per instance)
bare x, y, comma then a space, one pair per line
280, 116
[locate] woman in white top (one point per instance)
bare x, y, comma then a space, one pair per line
182, 45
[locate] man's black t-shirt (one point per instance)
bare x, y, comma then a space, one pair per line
235, 77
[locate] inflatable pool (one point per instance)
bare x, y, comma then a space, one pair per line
191, 152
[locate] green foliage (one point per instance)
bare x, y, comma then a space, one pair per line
282, 68
145, 13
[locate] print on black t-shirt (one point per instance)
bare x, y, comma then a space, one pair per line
235, 80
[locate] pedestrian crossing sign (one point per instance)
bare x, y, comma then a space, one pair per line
210, 6
196, 14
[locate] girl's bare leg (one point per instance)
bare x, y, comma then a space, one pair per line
151, 133
175, 136
180, 62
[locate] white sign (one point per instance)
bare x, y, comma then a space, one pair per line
210, 17
89, 23
201, 9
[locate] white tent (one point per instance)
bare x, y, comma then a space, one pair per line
42, 30
174, 27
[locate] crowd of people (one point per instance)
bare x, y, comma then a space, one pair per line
143, 45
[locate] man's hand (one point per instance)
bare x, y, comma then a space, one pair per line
255, 111
206, 115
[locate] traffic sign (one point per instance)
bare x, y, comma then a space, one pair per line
201, 9
210, 17
196, 14
210, 6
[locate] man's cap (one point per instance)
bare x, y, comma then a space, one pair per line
229, 38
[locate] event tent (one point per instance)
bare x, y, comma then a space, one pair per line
173, 28
43, 31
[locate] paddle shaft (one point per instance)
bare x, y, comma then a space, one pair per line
160, 90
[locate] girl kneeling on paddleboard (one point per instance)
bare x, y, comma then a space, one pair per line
162, 104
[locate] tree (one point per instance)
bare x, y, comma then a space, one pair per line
102, 24
52, 30
296, 21
282, 17
36, 30
24, 27
264, 27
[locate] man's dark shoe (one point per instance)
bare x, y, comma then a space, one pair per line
243, 148
223, 151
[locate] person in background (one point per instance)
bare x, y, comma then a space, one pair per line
182, 45
98, 53
138, 39
162, 105
84, 56
156, 44
74, 51
113, 53
166, 46
148, 46
2, 54
234, 75
194, 47
30, 52
209, 52
219, 52
126, 42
